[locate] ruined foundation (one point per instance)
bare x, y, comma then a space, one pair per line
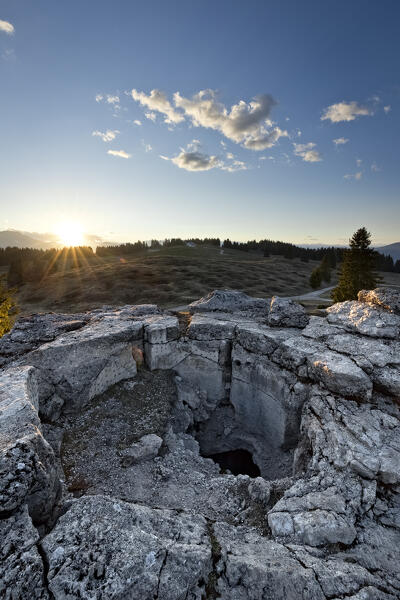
242, 451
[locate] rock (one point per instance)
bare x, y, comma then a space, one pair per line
366, 319
106, 548
145, 449
340, 374
315, 406
286, 313
387, 298
260, 490
21, 566
228, 301
28, 471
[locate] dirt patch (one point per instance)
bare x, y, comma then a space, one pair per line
111, 422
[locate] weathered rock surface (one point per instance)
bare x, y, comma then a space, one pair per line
314, 401
286, 313
21, 567
387, 298
27, 463
228, 301
155, 554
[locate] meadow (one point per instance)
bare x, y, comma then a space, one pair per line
169, 277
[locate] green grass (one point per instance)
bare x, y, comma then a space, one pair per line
169, 277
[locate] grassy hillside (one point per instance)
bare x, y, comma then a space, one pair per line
169, 277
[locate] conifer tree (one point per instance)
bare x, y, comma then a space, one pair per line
315, 278
325, 269
7, 308
357, 270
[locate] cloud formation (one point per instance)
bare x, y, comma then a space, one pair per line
112, 99
357, 176
245, 123
106, 136
6, 27
119, 153
157, 101
137, 122
340, 141
387, 108
193, 159
345, 111
307, 152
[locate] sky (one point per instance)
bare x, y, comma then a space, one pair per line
245, 120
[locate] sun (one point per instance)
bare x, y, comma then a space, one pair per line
70, 233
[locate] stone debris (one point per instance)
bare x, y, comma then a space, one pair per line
106, 490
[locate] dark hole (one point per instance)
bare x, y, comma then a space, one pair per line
238, 462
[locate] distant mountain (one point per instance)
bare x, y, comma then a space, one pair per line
392, 249
25, 239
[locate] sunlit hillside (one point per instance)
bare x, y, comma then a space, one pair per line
168, 276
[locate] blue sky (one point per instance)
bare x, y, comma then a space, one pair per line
297, 74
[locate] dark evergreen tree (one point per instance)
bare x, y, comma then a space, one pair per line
325, 269
357, 270
315, 278
8, 308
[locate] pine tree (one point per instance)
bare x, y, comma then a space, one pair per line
7, 308
325, 269
357, 270
315, 278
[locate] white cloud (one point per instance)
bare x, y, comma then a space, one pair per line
340, 141
358, 162
345, 111
245, 123
137, 122
6, 27
151, 116
106, 136
148, 147
157, 101
387, 108
99, 97
375, 168
236, 165
357, 176
307, 152
195, 161
119, 153
112, 99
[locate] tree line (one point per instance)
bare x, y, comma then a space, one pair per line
32, 265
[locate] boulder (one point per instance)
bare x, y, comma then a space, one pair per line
366, 319
145, 449
387, 298
228, 301
284, 312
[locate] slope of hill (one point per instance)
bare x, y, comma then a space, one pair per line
392, 249
167, 276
